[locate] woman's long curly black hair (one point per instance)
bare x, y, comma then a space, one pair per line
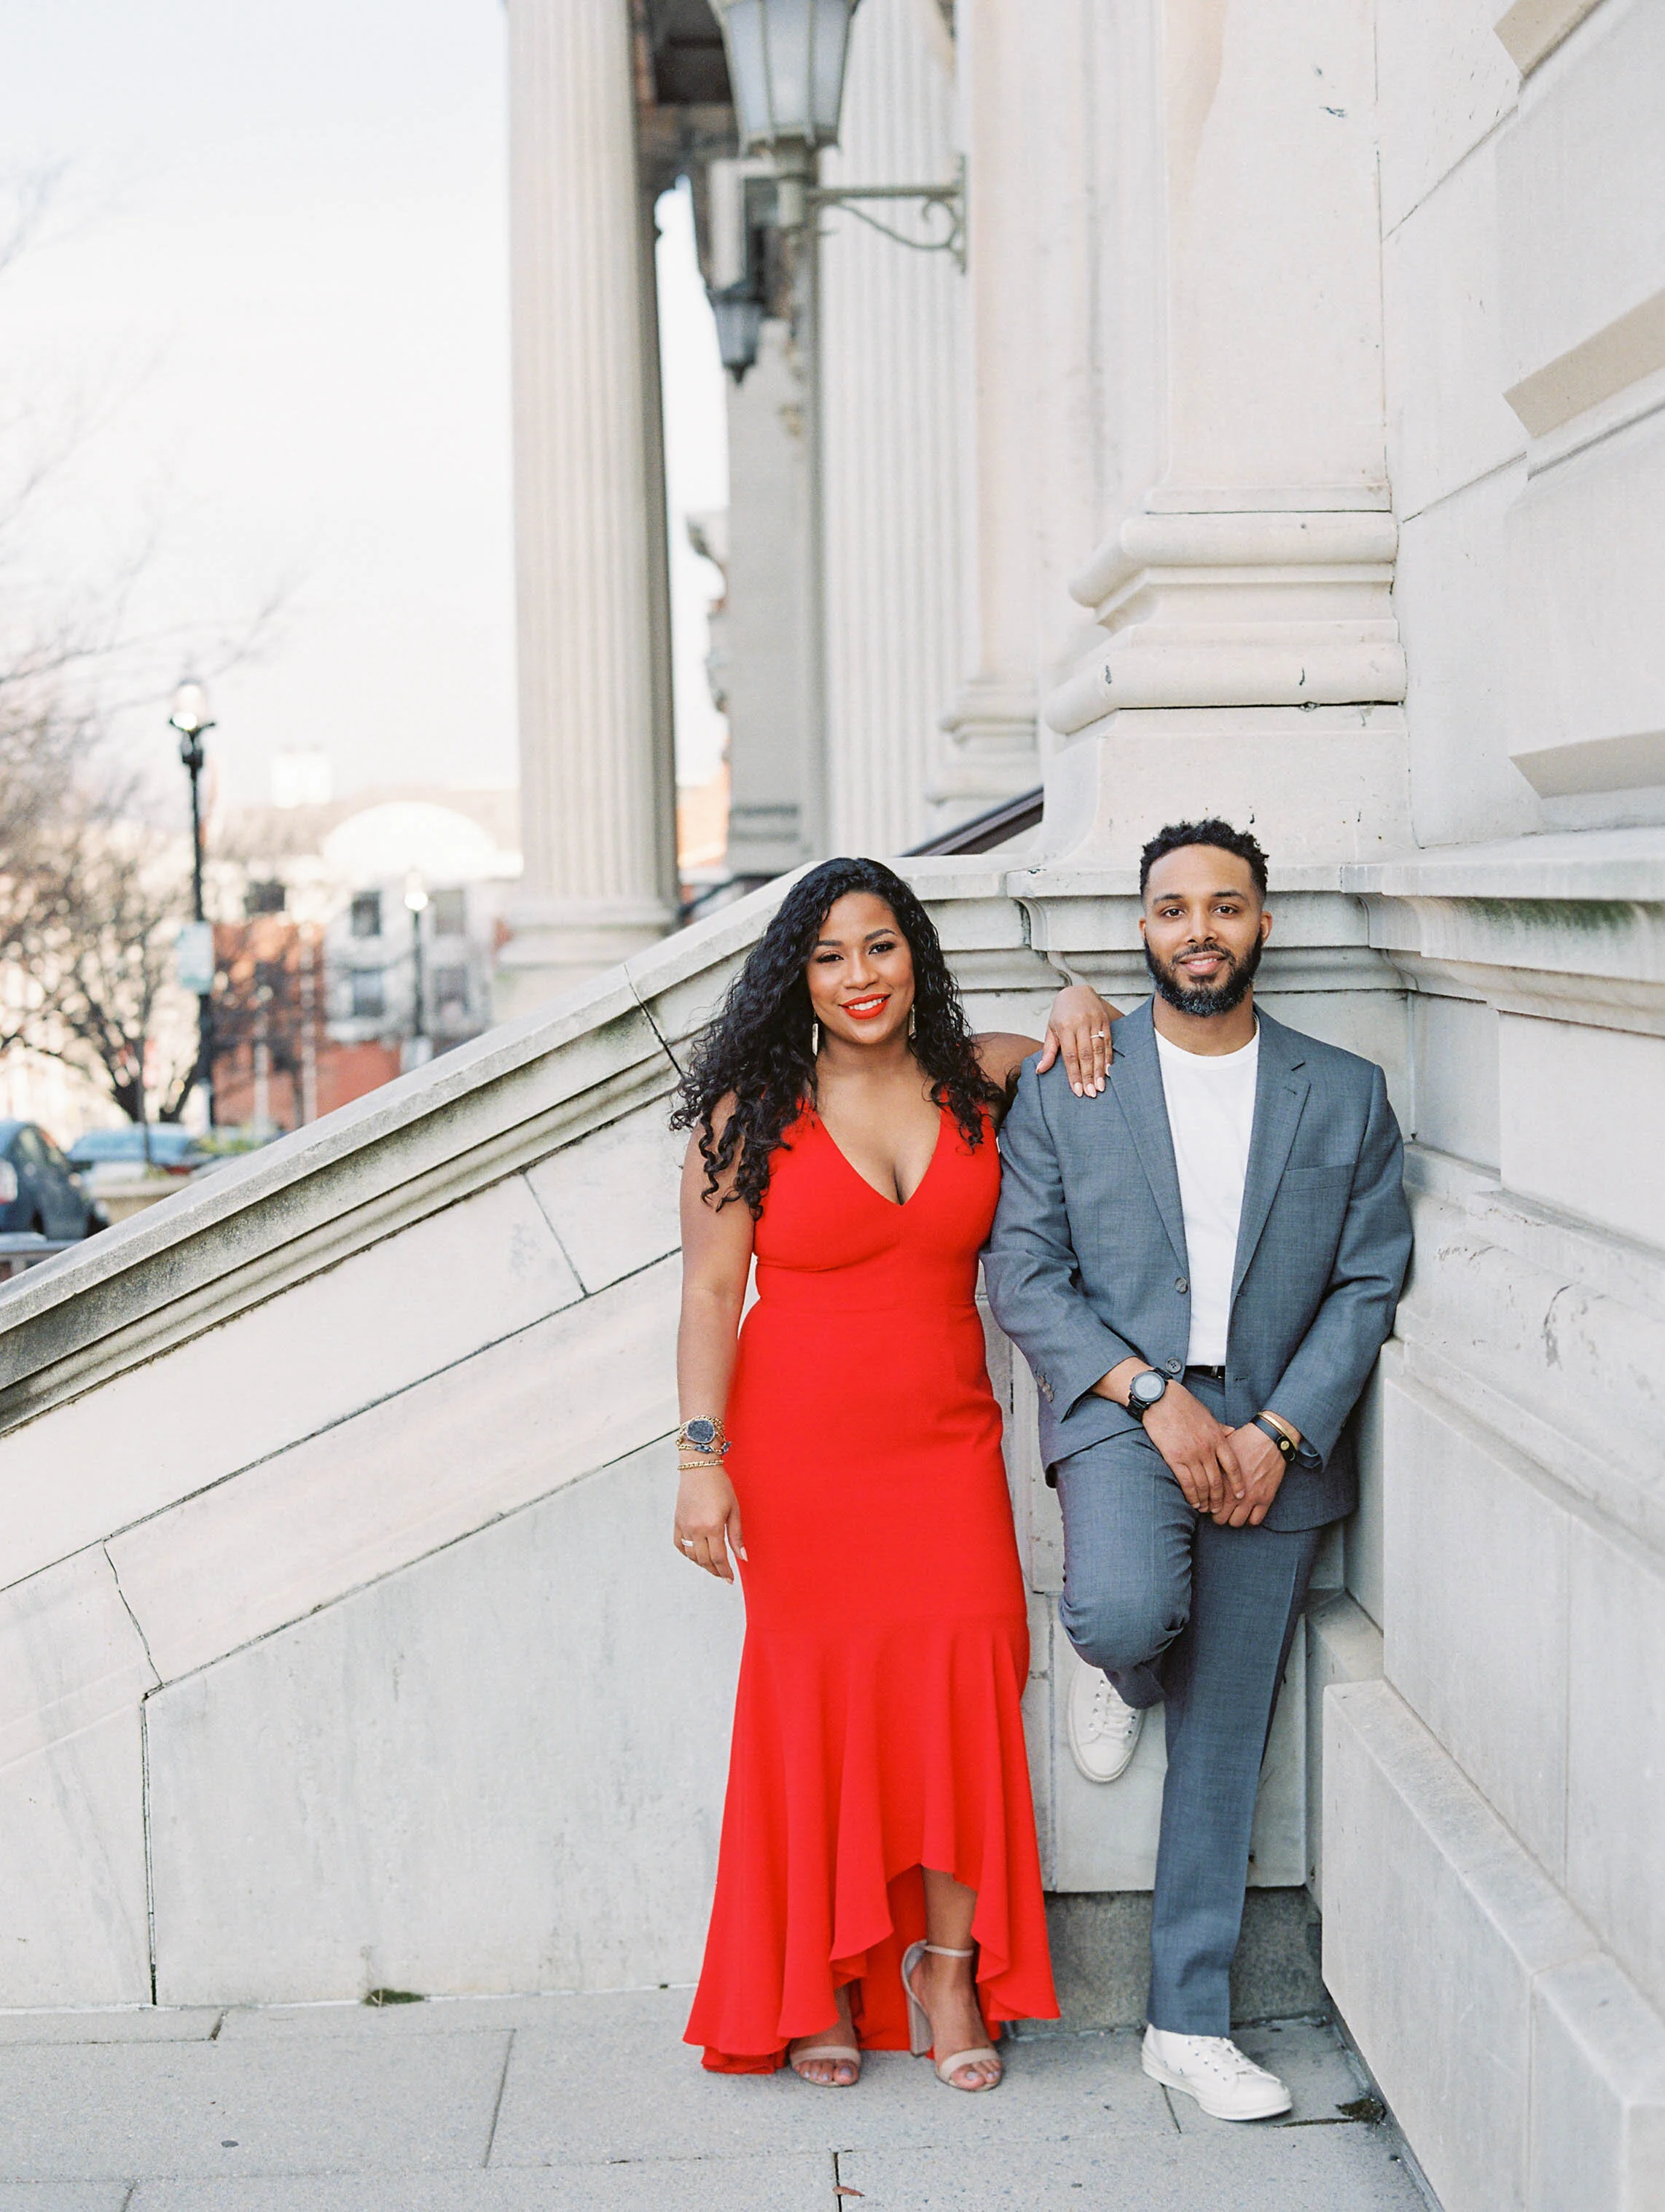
757, 1046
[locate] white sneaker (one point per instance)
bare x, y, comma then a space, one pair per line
1211, 2067
1103, 1731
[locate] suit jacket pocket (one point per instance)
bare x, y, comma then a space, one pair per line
1311, 1204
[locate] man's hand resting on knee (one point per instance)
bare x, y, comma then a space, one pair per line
1198, 1447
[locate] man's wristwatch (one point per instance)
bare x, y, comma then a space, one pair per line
1144, 1391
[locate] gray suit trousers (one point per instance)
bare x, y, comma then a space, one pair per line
1175, 1608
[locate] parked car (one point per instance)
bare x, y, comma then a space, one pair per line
41, 1190
162, 1144
127, 1169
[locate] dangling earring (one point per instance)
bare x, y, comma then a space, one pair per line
815, 1040
910, 1021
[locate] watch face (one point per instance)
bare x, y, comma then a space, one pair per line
1147, 1388
701, 1432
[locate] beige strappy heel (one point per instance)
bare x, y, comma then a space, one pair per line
834, 2054
831, 2054
919, 2025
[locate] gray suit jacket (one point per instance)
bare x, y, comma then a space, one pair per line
1086, 1264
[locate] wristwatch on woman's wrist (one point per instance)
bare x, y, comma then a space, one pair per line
1144, 1391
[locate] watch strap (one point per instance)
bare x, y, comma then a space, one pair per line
1285, 1442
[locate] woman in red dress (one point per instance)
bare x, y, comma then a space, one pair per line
878, 1885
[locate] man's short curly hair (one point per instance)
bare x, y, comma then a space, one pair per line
1176, 834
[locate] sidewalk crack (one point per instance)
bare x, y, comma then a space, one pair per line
496, 2110
843, 2192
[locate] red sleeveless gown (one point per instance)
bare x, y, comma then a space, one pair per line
878, 1727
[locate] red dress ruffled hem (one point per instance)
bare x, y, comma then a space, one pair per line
886, 1769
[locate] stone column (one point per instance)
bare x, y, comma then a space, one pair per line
770, 671
890, 358
595, 784
990, 725
1249, 662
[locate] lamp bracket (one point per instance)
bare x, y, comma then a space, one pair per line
949, 198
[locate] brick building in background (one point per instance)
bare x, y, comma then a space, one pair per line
365, 946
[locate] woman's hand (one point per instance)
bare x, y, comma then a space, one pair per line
708, 1520
1078, 1027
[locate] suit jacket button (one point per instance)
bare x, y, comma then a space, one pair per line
1174, 1366
1181, 1285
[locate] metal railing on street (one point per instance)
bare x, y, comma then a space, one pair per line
24, 1248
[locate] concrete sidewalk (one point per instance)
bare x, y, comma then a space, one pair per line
591, 2104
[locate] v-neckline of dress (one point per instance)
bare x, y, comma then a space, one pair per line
897, 1205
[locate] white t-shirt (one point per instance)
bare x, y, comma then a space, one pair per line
1210, 1117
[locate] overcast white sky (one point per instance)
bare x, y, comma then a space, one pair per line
279, 279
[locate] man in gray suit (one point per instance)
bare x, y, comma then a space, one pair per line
1200, 1269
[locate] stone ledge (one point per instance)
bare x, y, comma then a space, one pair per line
1598, 2107
1561, 2101
1414, 1856
1101, 1958
1625, 865
1344, 1644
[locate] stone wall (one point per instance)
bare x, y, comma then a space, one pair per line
1500, 1793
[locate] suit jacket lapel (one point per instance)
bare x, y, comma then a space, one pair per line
1136, 1079
1280, 1093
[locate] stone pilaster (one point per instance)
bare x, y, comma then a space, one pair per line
1249, 660
597, 790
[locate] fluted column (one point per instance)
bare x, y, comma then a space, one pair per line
596, 779
991, 722
891, 359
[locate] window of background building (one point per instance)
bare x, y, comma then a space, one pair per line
450, 913
451, 990
262, 898
369, 994
366, 914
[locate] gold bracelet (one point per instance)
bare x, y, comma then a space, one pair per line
1270, 1425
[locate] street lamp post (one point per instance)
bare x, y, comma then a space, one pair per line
190, 716
416, 898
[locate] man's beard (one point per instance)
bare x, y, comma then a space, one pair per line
1205, 1000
